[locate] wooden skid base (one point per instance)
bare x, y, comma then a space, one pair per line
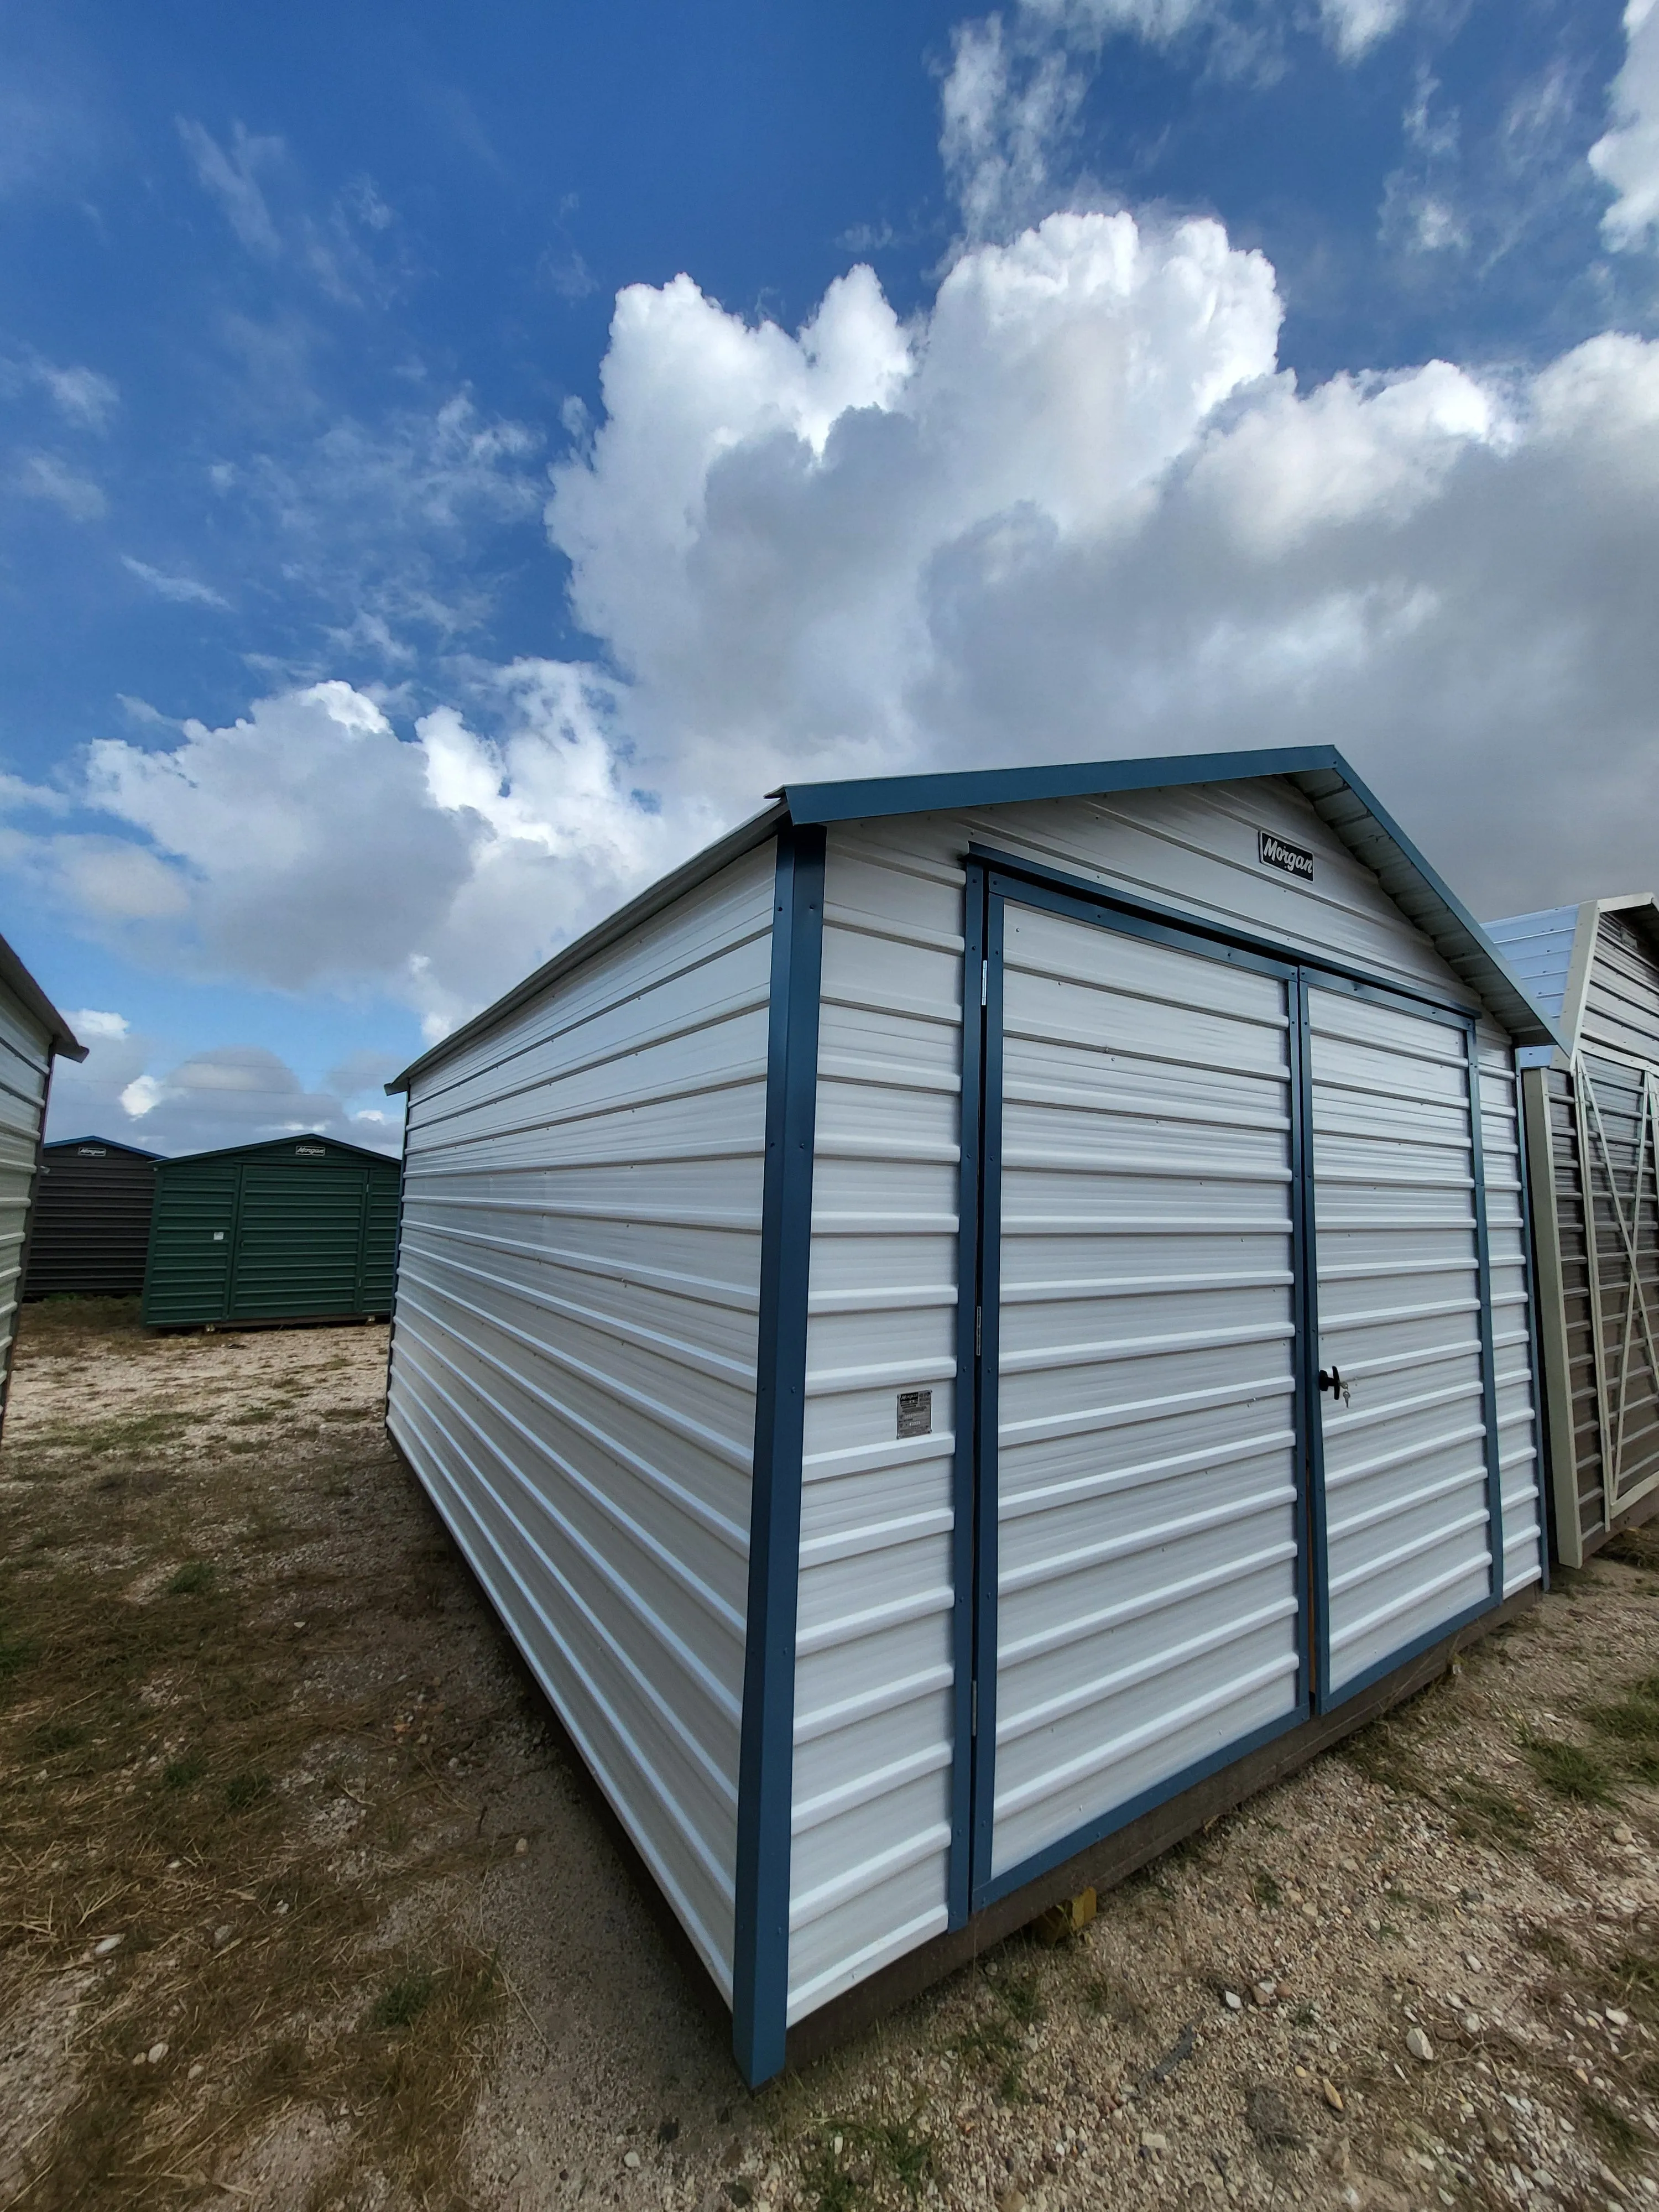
1118, 1856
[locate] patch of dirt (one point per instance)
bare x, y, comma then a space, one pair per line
256, 1720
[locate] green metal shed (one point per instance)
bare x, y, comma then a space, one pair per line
301, 1229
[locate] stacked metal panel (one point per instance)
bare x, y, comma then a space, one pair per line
573, 1359
92, 1211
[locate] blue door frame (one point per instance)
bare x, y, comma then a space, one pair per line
993, 881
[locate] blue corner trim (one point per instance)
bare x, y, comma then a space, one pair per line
985, 1421
964, 1474
1313, 1568
760, 1979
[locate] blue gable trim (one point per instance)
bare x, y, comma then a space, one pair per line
1349, 808
1009, 787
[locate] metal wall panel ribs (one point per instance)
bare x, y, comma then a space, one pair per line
572, 1367
1147, 1502
1406, 1476
874, 1736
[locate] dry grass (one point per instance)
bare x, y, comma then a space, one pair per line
204, 1754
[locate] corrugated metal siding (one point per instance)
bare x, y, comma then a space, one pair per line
573, 1371
1621, 1004
1520, 1459
1407, 1517
873, 1742
870, 1871
192, 1234
91, 1229
25, 1068
1616, 1130
1146, 1494
299, 1239
294, 1230
1539, 949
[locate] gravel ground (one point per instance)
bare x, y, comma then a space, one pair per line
389, 1955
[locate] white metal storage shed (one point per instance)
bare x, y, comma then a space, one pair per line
1593, 1117
905, 1486
33, 1034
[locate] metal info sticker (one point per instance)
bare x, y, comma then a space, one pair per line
916, 1413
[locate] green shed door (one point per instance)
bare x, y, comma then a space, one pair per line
374, 1287
300, 1238
192, 1235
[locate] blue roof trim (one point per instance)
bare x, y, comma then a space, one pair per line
1010, 786
111, 1144
1364, 823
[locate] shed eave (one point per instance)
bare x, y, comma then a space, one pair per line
649, 902
17, 978
114, 1144
271, 1143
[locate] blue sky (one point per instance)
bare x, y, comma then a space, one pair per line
452, 462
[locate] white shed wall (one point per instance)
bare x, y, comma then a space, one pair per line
873, 1700
573, 1355
25, 1066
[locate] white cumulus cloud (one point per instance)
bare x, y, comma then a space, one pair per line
129, 1090
1072, 509
1627, 158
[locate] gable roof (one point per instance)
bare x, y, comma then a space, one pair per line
284, 1145
109, 1143
1343, 802
1553, 951
17, 980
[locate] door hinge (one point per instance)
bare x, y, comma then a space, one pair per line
985, 982
979, 1330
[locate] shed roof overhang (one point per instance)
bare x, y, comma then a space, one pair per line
109, 1143
17, 980
1342, 801
261, 1145
1641, 910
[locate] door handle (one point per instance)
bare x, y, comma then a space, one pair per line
1331, 1379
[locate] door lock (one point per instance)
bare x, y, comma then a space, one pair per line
1331, 1379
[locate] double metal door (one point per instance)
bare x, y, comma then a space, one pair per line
1233, 1423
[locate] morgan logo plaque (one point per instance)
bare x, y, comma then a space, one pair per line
1289, 860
